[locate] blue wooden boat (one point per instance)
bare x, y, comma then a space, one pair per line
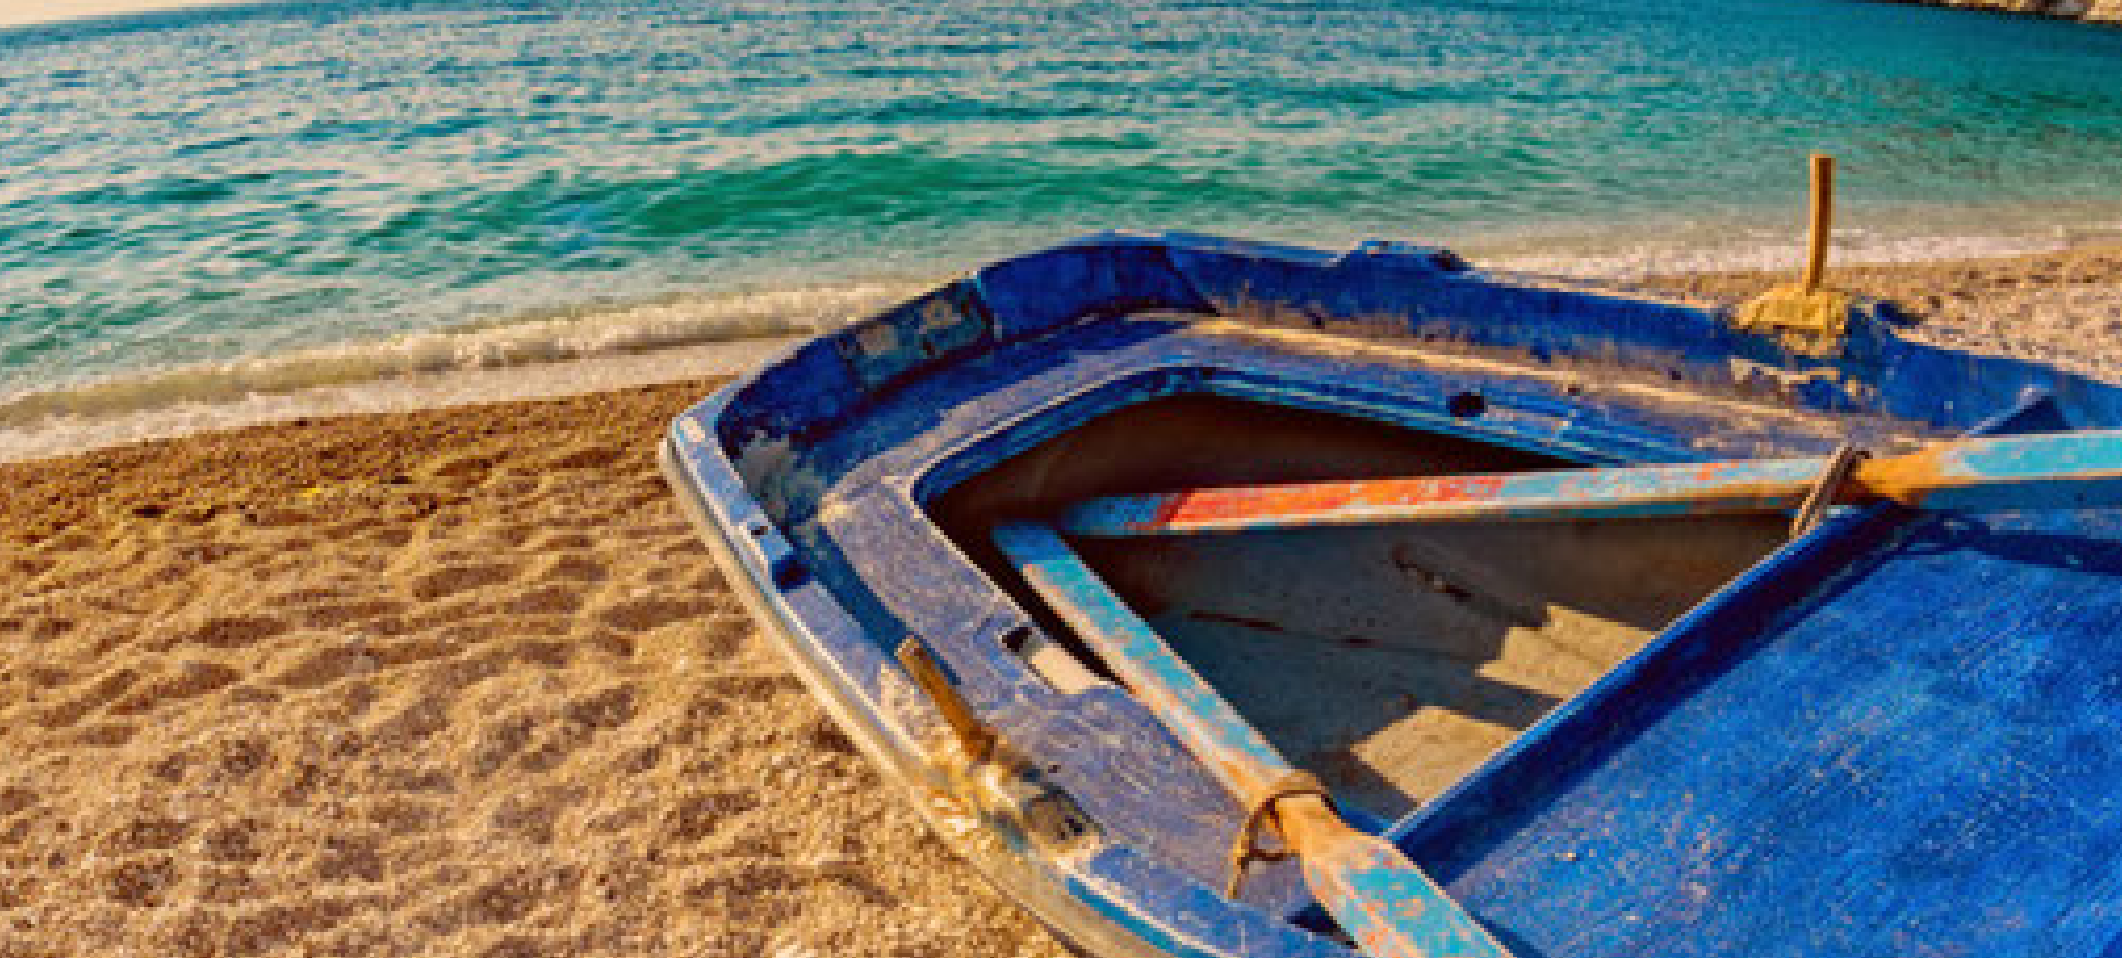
1896, 732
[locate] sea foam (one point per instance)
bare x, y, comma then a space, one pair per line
534, 357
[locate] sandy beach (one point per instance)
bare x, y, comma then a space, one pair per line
2063, 308
457, 682
462, 682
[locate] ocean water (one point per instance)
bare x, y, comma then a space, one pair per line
202, 207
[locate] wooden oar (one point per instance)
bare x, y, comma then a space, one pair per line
1381, 899
2059, 470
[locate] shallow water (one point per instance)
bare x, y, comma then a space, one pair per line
215, 189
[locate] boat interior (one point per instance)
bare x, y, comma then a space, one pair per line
1390, 659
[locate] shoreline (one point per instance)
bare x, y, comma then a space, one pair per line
2055, 304
461, 680
61, 436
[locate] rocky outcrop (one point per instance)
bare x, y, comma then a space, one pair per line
2095, 11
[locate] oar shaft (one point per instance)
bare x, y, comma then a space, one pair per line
1563, 494
1386, 903
1380, 898
1206, 724
2060, 470
2053, 471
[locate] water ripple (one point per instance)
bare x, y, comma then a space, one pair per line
226, 185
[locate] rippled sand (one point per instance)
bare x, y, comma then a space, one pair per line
443, 683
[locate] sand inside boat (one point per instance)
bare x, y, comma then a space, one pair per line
1388, 660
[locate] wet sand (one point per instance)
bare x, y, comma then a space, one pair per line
461, 682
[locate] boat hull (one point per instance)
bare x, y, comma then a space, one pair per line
839, 488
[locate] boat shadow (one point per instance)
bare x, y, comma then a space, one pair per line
1392, 660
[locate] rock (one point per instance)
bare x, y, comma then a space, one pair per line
2090, 11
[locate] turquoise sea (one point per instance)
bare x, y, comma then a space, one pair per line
197, 206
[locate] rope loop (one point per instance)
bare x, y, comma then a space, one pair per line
1245, 846
1840, 466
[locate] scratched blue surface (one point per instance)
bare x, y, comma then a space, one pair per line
1921, 757
2083, 455
1430, 294
816, 468
1407, 910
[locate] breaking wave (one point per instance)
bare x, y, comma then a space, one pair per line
542, 355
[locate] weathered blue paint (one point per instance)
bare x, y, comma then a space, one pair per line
2072, 470
1380, 898
1390, 908
1206, 724
811, 474
1941, 779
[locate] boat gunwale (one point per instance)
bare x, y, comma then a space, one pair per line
882, 742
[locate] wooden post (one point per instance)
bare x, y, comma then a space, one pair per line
1810, 319
1823, 216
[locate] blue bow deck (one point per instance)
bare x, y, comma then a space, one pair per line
1918, 755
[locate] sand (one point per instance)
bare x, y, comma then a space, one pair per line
462, 682
2063, 308
457, 682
